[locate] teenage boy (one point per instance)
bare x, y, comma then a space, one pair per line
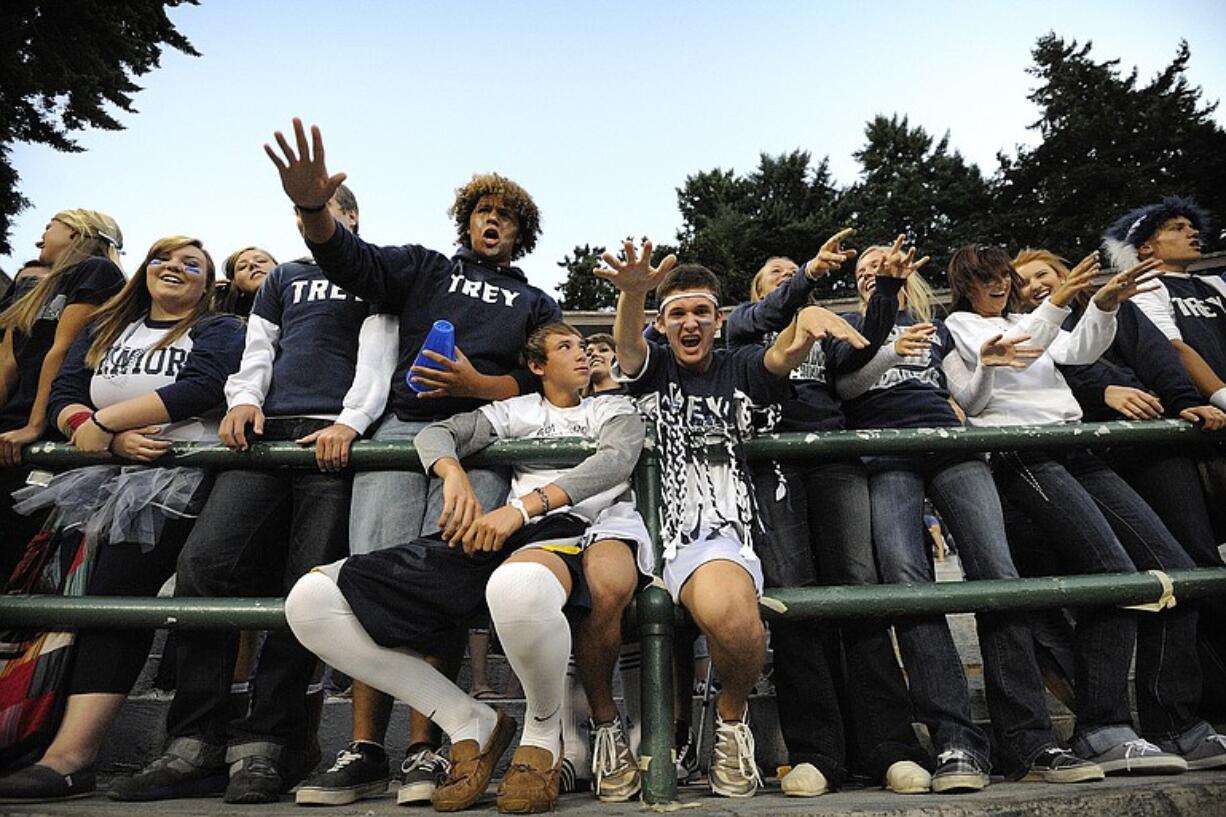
1189, 309
697, 396
311, 372
374, 615
493, 309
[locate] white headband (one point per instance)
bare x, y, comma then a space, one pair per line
700, 293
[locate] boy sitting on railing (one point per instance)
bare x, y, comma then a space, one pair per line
698, 396
568, 534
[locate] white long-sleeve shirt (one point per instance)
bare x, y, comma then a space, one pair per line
1037, 394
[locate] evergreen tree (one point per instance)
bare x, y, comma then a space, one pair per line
583, 290
61, 63
1109, 143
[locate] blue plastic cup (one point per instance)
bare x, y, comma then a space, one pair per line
441, 340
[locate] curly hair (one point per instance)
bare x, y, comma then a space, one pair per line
517, 200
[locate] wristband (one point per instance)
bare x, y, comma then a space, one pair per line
301, 208
78, 419
518, 504
94, 417
1218, 399
544, 499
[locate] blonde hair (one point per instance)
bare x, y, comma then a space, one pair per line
95, 234
755, 286
918, 291
231, 262
134, 301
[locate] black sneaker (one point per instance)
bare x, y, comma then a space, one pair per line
42, 784
423, 770
958, 772
255, 779
169, 777
687, 753
1056, 765
360, 771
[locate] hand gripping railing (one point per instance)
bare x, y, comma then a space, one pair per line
654, 612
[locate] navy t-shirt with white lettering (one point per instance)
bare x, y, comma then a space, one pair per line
1200, 313
317, 349
493, 309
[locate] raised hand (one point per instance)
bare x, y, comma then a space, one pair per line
831, 255
899, 264
815, 322
996, 351
304, 176
1121, 287
635, 274
1078, 279
1134, 404
914, 340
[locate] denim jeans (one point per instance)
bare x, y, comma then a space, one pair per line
1099, 524
391, 507
1171, 485
820, 535
963, 492
259, 532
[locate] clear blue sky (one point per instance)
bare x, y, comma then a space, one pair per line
600, 110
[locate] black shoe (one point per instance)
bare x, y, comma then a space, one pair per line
169, 777
42, 784
360, 771
957, 772
1056, 765
687, 753
423, 770
255, 779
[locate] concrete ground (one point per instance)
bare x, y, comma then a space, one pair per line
1197, 794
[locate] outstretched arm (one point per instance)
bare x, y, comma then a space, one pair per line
812, 324
634, 278
305, 179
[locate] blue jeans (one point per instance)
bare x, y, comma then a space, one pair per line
392, 507
964, 494
1099, 524
820, 535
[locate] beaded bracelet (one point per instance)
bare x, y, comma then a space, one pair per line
544, 499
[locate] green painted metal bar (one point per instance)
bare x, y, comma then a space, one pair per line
886, 601
655, 616
371, 455
116, 612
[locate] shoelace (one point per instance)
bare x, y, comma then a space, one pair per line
1140, 747
425, 759
605, 751
1220, 740
951, 754
260, 766
343, 758
741, 739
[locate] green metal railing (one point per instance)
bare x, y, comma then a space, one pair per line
654, 613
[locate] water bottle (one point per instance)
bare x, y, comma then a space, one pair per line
441, 340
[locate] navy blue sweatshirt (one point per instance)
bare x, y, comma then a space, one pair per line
1200, 314
494, 309
913, 393
1140, 357
814, 406
317, 347
199, 373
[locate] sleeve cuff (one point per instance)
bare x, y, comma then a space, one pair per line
244, 399
359, 421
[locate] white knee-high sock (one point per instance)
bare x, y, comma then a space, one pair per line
525, 601
575, 716
325, 624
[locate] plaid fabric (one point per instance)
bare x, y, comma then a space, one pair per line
34, 665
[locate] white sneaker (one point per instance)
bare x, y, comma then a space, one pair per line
907, 777
804, 780
733, 771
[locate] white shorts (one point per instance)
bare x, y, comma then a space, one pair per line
713, 547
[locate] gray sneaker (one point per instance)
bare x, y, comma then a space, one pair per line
1139, 756
733, 771
1210, 753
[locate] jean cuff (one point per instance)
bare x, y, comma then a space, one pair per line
1185, 741
196, 752
254, 748
1096, 741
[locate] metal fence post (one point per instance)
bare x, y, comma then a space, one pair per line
655, 621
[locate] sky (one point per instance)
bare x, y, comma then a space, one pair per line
600, 110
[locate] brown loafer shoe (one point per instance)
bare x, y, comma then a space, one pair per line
472, 766
531, 784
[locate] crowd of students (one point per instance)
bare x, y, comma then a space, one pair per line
384, 570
